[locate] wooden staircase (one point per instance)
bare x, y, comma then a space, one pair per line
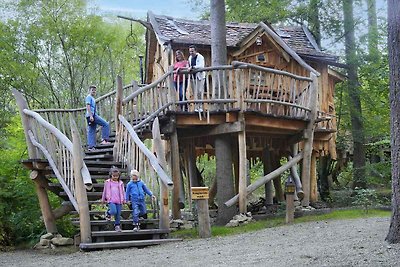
104, 236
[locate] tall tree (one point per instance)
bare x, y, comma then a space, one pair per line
314, 20
394, 65
354, 96
223, 150
372, 30
65, 49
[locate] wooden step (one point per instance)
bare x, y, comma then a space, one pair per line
75, 221
131, 232
125, 244
99, 151
104, 146
101, 213
104, 176
103, 169
103, 163
102, 157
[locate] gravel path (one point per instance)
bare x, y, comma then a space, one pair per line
358, 242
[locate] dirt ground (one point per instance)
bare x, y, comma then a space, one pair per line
358, 242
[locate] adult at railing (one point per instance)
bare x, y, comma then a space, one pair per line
93, 119
196, 60
180, 80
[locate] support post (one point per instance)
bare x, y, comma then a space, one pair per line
242, 171
290, 189
160, 152
308, 142
267, 165
313, 179
44, 203
80, 190
45, 207
204, 218
200, 195
118, 111
176, 175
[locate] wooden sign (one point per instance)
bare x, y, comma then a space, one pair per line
199, 192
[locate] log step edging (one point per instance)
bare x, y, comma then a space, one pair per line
130, 232
125, 244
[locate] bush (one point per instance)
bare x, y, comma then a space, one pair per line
365, 198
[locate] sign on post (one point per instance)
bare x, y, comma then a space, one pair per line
200, 195
199, 192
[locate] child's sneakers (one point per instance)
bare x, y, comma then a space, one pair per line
104, 142
107, 216
136, 227
118, 228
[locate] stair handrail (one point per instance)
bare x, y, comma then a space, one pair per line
58, 150
133, 145
60, 117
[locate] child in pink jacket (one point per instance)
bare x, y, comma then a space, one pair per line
114, 196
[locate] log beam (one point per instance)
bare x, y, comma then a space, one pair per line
261, 181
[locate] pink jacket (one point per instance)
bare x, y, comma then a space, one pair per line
107, 192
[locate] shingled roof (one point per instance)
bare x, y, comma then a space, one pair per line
181, 31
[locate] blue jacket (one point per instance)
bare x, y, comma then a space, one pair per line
136, 191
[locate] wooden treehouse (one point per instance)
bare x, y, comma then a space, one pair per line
274, 99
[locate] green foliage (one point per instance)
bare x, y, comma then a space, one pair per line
207, 166
365, 198
59, 49
19, 213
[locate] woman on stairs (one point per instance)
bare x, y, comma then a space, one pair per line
114, 196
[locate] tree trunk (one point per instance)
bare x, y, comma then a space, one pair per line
314, 21
222, 142
372, 31
354, 97
324, 170
394, 68
224, 178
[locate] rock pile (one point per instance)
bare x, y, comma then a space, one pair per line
53, 241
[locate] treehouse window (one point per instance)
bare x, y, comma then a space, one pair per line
261, 58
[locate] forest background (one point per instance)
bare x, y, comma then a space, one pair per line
51, 50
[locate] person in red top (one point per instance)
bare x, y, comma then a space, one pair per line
180, 80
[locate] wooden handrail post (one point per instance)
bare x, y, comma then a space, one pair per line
26, 124
171, 88
308, 142
160, 152
45, 207
118, 111
80, 190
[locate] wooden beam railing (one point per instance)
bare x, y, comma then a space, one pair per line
274, 92
134, 154
105, 106
58, 150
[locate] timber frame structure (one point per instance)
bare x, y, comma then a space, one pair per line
274, 99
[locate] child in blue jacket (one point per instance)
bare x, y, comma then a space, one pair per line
136, 191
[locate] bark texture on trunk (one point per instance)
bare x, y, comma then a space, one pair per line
394, 67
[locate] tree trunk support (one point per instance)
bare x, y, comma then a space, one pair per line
160, 152
308, 142
176, 175
267, 165
80, 190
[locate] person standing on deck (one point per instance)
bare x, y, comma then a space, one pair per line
196, 61
180, 80
93, 119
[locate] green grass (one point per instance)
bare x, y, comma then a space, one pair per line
269, 223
